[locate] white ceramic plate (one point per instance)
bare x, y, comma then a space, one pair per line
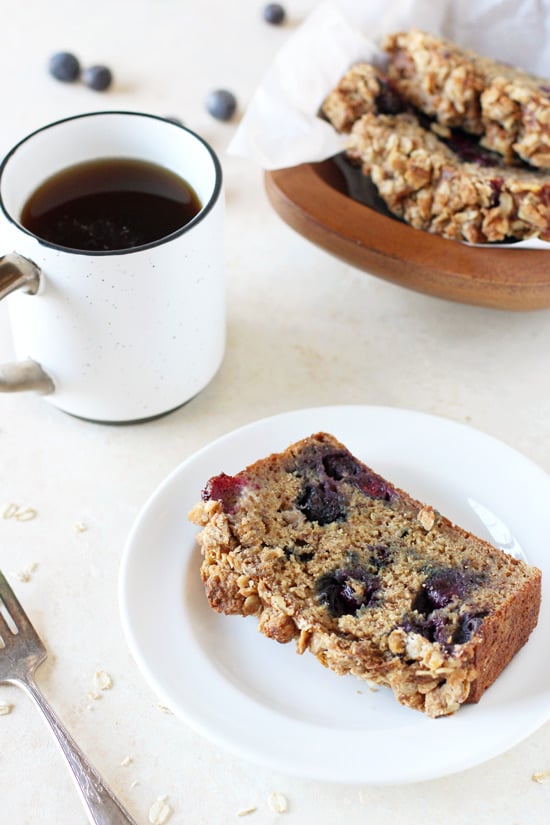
260, 699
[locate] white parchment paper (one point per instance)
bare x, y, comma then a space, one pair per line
280, 127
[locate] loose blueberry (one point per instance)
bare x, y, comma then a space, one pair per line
98, 78
64, 66
225, 489
321, 503
221, 104
274, 13
346, 590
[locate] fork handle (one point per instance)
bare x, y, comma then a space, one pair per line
101, 804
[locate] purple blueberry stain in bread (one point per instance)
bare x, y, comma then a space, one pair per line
468, 626
322, 503
346, 590
342, 466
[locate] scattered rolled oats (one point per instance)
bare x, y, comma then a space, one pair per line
126, 761
542, 777
80, 527
5, 708
93, 694
26, 574
247, 811
13, 510
278, 802
160, 811
165, 709
102, 680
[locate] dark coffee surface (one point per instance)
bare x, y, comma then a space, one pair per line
110, 204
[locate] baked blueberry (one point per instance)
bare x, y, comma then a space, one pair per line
444, 586
346, 590
340, 465
468, 150
468, 626
435, 628
321, 503
64, 66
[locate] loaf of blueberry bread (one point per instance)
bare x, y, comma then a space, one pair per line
324, 551
507, 107
433, 177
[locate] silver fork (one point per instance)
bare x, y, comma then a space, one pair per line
21, 651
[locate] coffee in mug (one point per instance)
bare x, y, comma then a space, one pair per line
110, 203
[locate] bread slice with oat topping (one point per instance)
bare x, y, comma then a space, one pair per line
507, 107
435, 178
324, 551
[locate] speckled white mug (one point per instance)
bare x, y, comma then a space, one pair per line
124, 335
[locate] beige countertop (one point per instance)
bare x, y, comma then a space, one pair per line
304, 330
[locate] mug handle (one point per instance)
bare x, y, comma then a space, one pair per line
17, 272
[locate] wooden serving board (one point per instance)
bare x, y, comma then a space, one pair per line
313, 199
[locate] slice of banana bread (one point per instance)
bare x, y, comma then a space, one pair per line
447, 186
507, 107
433, 177
324, 551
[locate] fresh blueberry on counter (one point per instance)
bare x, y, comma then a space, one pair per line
64, 66
221, 104
98, 78
274, 13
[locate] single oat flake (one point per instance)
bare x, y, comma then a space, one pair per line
160, 811
26, 574
278, 802
542, 777
102, 680
5, 708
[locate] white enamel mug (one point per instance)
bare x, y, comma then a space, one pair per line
124, 335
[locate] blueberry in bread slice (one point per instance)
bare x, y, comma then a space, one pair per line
324, 551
